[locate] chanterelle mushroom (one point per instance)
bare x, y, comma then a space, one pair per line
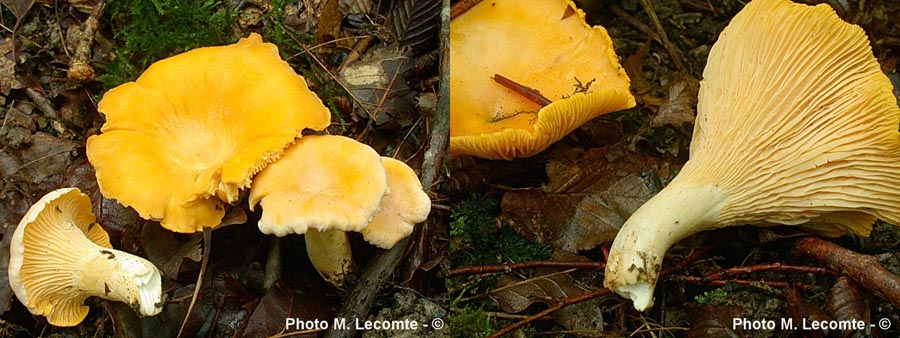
545, 45
326, 183
191, 131
796, 125
405, 206
324, 186
59, 257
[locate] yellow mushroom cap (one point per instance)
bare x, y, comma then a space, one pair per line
322, 182
796, 125
194, 128
59, 257
545, 45
401, 210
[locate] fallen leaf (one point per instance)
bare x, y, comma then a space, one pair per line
126, 323
167, 252
801, 310
415, 24
280, 303
715, 321
680, 106
848, 301
378, 83
8, 80
514, 295
634, 67
587, 198
329, 26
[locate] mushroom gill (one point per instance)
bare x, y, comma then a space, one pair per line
796, 125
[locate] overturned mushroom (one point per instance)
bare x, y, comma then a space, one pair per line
796, 125
59, 257
193, 129
544, 45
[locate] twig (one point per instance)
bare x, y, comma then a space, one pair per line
506, 268
529, 93
440, 207
768, 267
461, 7
634, 22
216, 316
377, 273
674, 52
79, 69
864, 269
207, 244
43, 104
723, 282
358, 49
561, 304
573, 300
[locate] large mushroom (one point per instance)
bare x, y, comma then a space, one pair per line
796, 125
59, 257
545, 45
327, 185
192, 130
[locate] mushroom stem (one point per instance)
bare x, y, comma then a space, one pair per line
636, 255
330, 253
120, 276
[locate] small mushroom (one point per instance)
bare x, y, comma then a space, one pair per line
324, 186
327, 183
796, 125
186, 136
59, 257
321, 182
405, 206
543, 45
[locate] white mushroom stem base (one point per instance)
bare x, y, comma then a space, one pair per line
62, 273
636, 255
125, 278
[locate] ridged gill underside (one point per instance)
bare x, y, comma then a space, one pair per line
797, 122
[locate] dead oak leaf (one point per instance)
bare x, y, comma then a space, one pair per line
587, 198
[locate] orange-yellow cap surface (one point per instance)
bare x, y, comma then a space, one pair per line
545, 45
192, 130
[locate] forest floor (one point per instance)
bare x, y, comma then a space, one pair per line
529, 236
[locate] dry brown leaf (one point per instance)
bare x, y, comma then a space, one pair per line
715, 321
848, 301
281, 302
377, 81
515, 295
801, 310
167, 252
680, 105
8, 80
587, 198
634, 67
329, 26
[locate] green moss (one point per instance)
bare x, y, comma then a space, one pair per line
470, 321
476, 236
709, 296
152, 30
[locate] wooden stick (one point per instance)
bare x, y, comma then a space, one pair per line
529, 93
